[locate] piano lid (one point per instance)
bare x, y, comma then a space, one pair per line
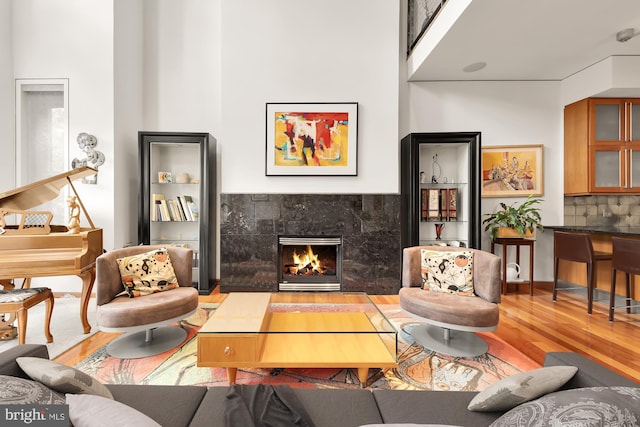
45, 190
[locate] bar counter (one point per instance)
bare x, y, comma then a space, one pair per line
611, 230
601, 238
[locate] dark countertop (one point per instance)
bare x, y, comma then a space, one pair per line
601, 229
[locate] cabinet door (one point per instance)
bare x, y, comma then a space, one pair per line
607, 121
606, 166
615, 169
633, 126
633, 167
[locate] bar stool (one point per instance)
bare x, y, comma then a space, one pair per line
625, 258
577, 247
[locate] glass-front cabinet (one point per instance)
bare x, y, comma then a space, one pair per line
614, 145
600, 133
440, 189
178, 193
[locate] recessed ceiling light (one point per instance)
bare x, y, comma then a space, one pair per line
476, 66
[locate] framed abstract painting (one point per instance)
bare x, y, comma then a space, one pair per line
312, 139
512, 171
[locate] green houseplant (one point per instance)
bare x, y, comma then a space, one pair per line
523, 218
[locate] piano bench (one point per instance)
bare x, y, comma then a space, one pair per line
16, 302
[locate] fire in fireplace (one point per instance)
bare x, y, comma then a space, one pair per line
309, 263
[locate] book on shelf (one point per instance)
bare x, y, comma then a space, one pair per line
155, 206
452, 203
193, 208
164, 211
438, 204
424, 203
433, 203
185, 208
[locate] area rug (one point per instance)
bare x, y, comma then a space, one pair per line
418, 368
66, 326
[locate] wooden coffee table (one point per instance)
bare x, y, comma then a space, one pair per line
297, 330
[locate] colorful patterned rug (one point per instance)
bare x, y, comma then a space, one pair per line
418, 368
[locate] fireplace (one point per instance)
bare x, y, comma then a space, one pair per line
307, 263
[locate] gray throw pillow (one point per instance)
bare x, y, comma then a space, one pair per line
519, 388
62, 378
86, 410
19, 391
591, 406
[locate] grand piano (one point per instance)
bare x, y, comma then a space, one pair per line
35, 248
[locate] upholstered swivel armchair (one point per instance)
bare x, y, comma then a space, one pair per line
143, 318
452, 318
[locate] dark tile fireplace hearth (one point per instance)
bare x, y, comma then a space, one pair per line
369, 227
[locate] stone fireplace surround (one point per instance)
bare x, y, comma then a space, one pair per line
369, 225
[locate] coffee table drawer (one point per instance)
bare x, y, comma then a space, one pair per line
220, 348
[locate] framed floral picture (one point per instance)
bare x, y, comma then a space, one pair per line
512, 171
312, 138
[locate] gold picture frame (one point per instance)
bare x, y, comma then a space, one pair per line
512, 171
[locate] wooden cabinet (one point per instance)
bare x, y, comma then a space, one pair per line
601, 146
440, 184
177, 197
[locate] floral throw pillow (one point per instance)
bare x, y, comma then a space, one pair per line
147, 273
447, 271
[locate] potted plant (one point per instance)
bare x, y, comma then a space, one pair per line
515, 220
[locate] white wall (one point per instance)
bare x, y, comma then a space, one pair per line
507, 113
74, 39
182, 65
128, 115
328, 51
7, 118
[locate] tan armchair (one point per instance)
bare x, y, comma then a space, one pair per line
452, 319
143, 318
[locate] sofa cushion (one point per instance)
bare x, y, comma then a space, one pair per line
62, 378
87, 410
591, 406
427, 406
166, 404
447, 271
326, 407
147, 273
522, 387
8, 364
19, 391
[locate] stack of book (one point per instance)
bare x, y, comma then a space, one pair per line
183, 208
439, 204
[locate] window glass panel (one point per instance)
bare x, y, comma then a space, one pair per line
41, 136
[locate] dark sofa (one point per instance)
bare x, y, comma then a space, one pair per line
201, 406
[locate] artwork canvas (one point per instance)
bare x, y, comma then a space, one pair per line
512, 171
311, 139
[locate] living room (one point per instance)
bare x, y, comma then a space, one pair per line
212, 66
149, 81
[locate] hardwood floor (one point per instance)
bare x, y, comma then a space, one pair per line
533, 324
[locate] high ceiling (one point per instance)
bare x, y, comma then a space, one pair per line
528, 39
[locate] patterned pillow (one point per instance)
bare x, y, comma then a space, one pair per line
61, 378
20, 391
447, 271
523, 387
591, 406
146, 273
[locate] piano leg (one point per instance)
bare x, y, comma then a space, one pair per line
88, 277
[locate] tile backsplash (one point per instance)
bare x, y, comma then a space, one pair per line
618, 210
